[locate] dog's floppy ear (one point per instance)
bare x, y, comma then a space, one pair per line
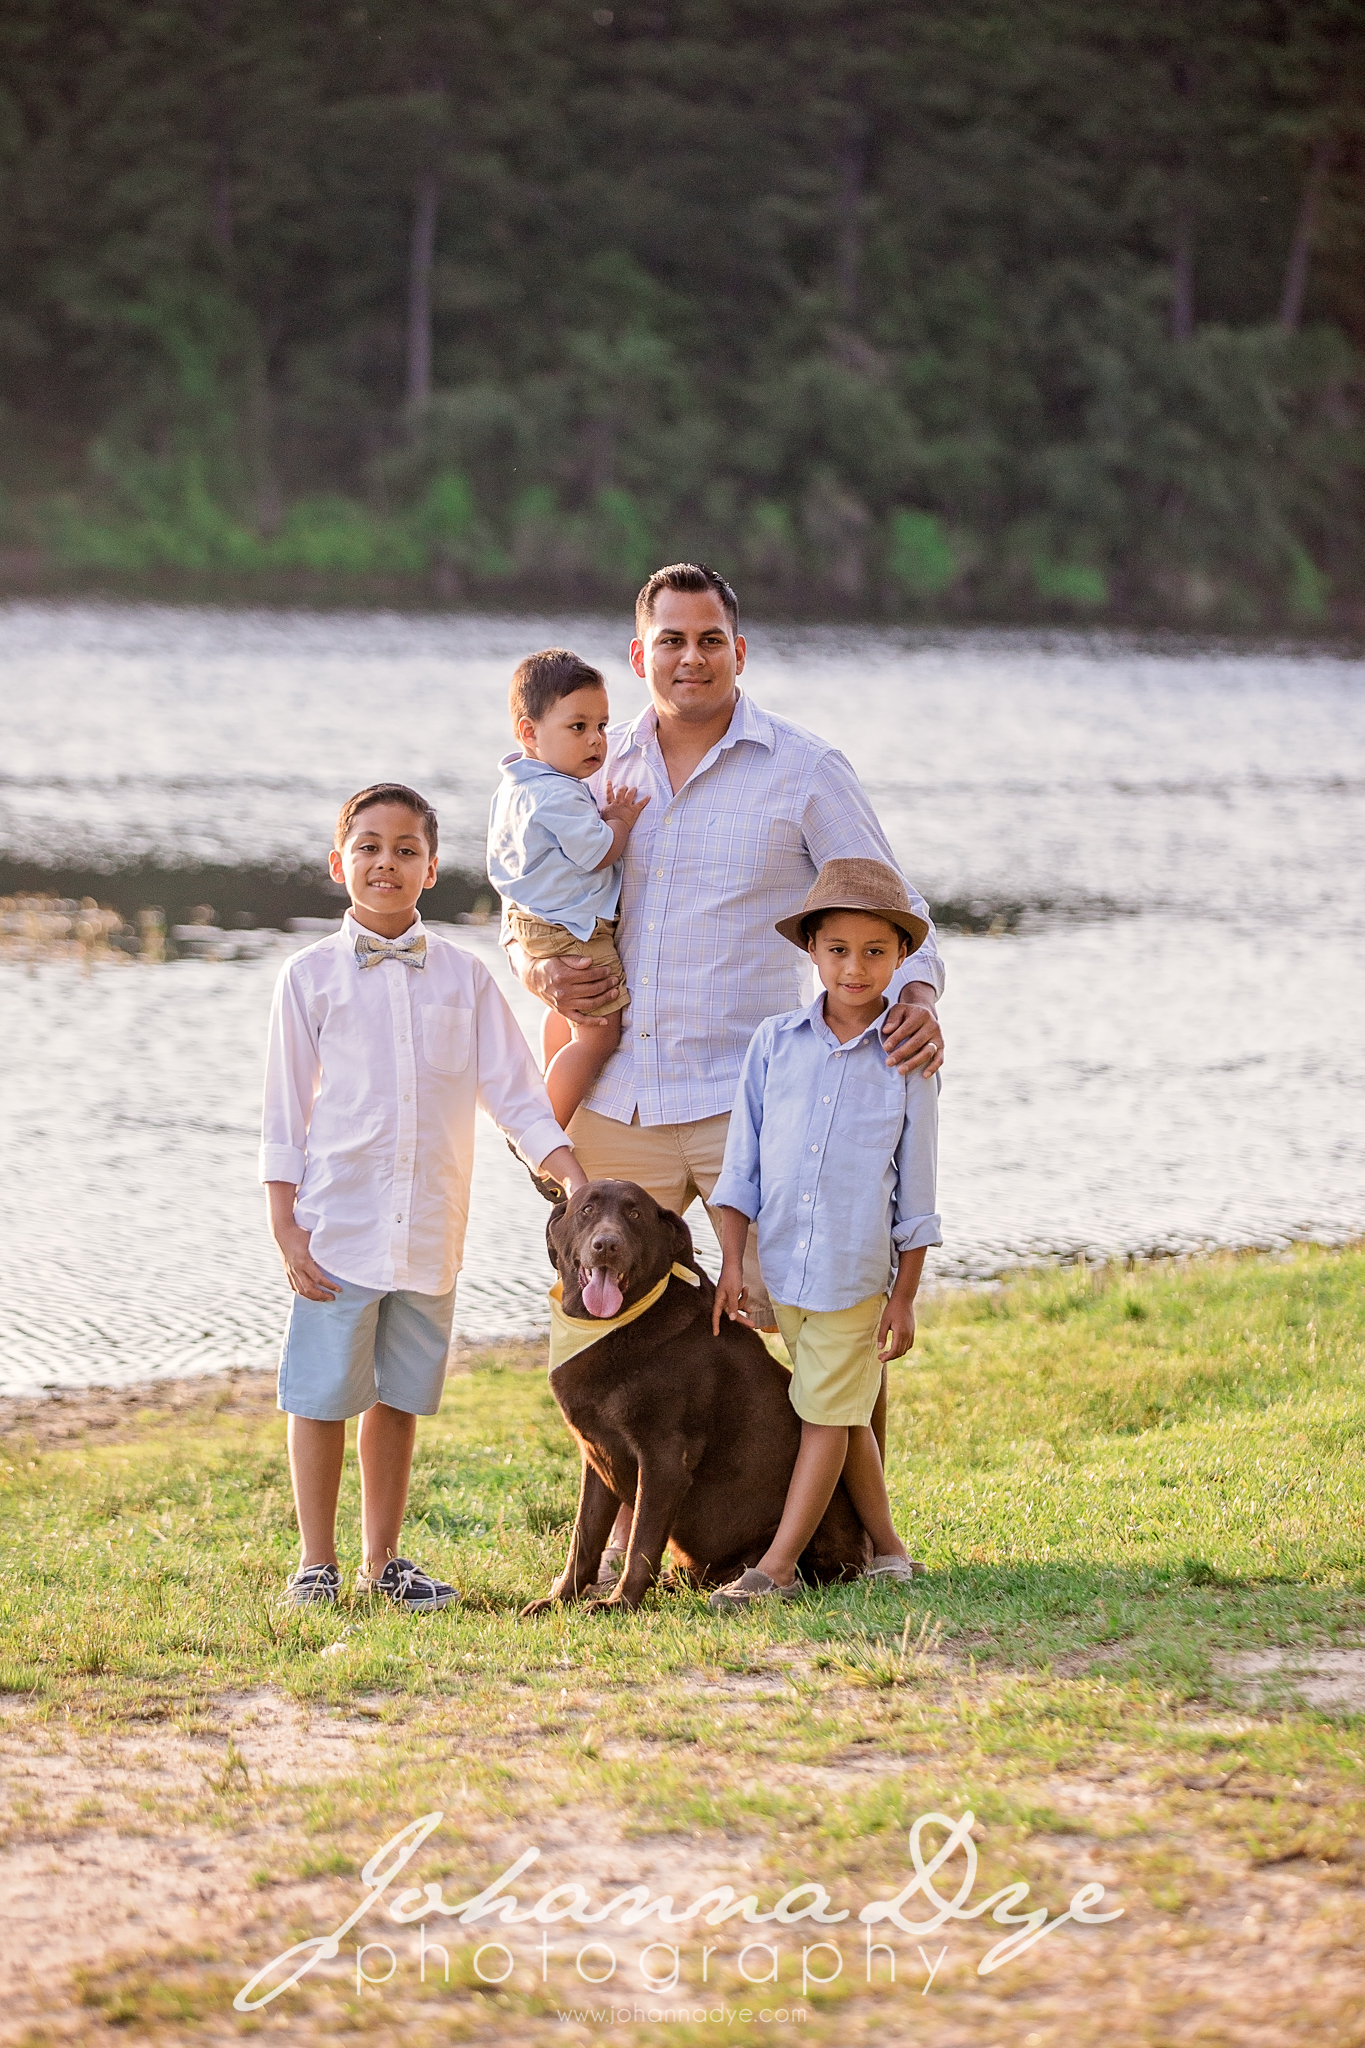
557, 1215
681, 1238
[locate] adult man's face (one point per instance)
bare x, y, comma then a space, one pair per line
689, 657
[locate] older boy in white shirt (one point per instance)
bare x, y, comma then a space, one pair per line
383, 1038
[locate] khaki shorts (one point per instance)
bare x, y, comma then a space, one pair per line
836, 1374
676, 1164
541, 941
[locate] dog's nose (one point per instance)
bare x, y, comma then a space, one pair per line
604, 1241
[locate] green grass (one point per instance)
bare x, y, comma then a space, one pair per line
1164, 1463
1115, 1479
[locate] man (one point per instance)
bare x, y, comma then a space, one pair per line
745, 809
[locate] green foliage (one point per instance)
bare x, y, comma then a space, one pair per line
876, 306
920, 556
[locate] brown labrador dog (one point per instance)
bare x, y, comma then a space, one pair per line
697, 1431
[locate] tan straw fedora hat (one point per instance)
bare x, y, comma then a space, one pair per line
858, 885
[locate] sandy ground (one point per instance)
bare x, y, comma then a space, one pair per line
122, 1922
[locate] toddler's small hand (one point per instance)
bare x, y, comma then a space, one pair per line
622, 806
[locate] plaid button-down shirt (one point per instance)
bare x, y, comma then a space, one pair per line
707, 874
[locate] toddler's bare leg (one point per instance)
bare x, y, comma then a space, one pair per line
555, 1033
866, 1482
572, 1071
316, 1451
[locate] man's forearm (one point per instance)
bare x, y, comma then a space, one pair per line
280, 1196
921, 993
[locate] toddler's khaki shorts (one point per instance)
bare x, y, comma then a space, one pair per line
541, 941
836, 1373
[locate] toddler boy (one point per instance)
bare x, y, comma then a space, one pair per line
555, 859
834, 1153
383, 1037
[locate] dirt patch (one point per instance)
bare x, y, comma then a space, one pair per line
66, 1415
112, 1901
1331, 1680
99, 1859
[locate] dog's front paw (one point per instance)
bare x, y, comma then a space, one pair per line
615, 1603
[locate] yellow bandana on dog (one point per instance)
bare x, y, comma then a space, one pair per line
571, 1334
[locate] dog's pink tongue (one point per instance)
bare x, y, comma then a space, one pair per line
602, 1295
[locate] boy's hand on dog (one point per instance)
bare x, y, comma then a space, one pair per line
301, 1269
730, 1297
896, 1330
623, 805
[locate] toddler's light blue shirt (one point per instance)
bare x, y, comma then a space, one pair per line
545, 838
836, 1155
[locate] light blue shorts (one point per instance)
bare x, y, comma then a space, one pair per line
340, 1357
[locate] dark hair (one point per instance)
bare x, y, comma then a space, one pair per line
542, 679
811, 925
687, 576
386, 793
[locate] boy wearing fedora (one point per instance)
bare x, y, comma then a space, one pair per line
833, 1153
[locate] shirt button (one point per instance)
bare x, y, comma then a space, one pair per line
805, 1198
651, 927
815, 1148
823, 1098
660, 873
408, 1098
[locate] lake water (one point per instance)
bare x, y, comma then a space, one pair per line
1163, 1051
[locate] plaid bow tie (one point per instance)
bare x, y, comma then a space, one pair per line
369, 951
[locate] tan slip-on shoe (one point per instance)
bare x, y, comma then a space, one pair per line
752, 1585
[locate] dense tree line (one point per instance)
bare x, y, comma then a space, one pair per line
884, 304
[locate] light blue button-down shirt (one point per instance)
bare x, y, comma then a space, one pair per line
836, 1155
545, 838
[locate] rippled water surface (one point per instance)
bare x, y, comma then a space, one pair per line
1167, 1051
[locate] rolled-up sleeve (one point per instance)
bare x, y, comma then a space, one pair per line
293, 1070
740, 1183
839, 823
511, 1090
915, 1217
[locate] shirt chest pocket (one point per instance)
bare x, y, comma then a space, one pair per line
872, 1112
445, 1038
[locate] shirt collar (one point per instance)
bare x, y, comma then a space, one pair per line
814, 1015
352, 929
519, 767
747, 723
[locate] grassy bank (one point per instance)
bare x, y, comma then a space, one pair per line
1141, 1501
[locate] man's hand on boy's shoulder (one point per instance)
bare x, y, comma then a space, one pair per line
912, 1034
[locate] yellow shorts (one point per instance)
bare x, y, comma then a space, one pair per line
541, 941
836, 1374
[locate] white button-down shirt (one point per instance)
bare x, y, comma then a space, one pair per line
707, 873
836, 1154
372, 1078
